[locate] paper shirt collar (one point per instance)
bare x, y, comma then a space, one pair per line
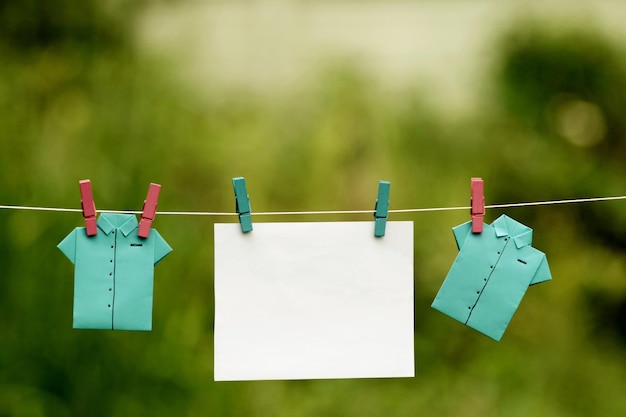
126, 223
506, 226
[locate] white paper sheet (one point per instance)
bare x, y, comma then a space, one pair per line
313, 300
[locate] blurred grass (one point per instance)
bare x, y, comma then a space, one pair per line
84, 104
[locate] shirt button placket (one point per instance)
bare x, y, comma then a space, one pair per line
499, 255
111, 269
489, 272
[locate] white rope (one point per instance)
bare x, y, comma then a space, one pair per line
323, 212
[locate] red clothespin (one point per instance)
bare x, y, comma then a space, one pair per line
149, 210
89, 207
478, 205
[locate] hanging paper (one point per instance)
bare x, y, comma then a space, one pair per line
114, 273
490, 275
313, 300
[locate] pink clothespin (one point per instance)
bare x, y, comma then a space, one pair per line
478, 205
149, 210
89, 207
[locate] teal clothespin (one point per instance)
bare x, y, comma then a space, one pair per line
382, 208
242, 204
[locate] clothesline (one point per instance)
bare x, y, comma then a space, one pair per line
323, 212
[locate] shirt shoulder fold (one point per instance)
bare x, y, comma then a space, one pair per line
68, 244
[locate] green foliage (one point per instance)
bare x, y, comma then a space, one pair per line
544, 73
104, 111
33, 24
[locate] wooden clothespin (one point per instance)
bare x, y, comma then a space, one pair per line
381, 208
242, 204
478, 205
148, 212
89, 207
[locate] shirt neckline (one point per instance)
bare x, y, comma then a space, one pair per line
521, 234
127, 223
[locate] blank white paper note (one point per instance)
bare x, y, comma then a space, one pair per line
313, 301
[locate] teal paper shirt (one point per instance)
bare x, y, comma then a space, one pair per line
114, 273
490, 275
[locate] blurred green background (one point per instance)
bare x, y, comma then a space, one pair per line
84, 95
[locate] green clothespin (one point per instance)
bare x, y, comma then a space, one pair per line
242, 201
382, 208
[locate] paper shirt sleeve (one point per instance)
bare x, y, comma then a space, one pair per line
543, 272
68, 245
161, 248
460, 233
